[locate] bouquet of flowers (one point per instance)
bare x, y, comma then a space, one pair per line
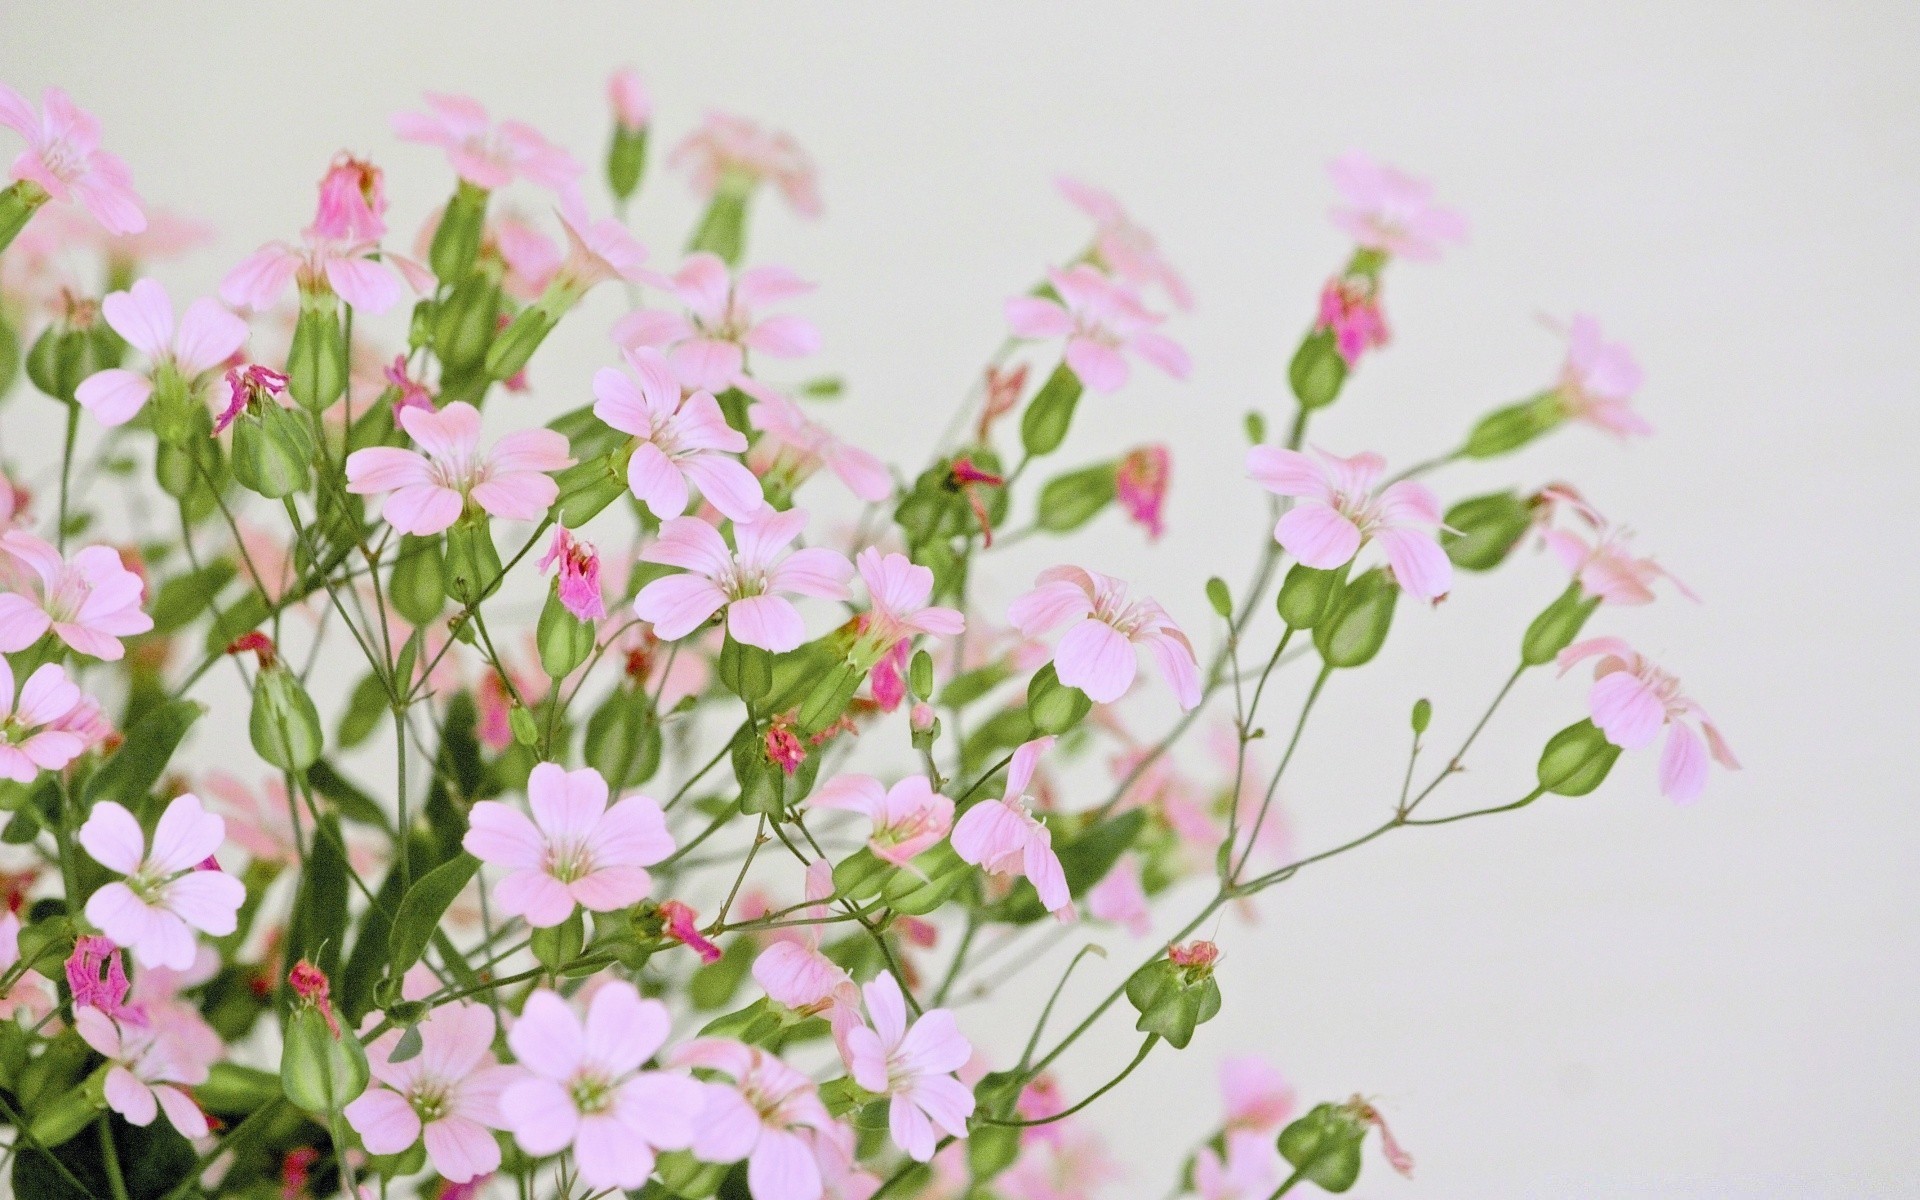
606, 822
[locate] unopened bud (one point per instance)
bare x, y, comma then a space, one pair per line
322, 1066
317, 359
1044, 425
1505, 430
285, 725
1481, 531
1069, 501
1576, 760
456, 241
1052, 706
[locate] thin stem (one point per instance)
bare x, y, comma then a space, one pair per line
1273, 785
1453, 764
1146, 1047
66, 471
1287, 1185
1040, 1026
110, 1155
959, 960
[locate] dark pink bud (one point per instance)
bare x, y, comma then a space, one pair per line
98, 979
579, 566
784, 747
1140, 483
259, 643
1351, 310
412, 393
353, 201
245, 385
1194, 956
309, 983
682, 925
888, 679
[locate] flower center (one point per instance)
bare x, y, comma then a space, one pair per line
60, 160
592, 1092
430, 1100
567, 860
741, 582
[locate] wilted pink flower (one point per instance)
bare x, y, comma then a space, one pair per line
575, 849
912, 1064
1128, 250
168, 891
584, 1087
734, 150
1599, 380
48, 725
1350, 308
579, 580
1140, 484
353, 202
679, 443
1392, 212
97, 978
30, 993
431, 490
1397, 1158
906, 818
1250, 1170
1096, 653
795, 446
764, 1116
1099, 318
793, 972
448, 1093
1121, 899
247, 385
63, 158
1003, 837
597, 251
745, 583
631, 102
208, 335
1258, 1098
411, 393
1632, 699
708, 347
1342, 511
1000, 394
682, 924
89, 602
485, 155
144, 1073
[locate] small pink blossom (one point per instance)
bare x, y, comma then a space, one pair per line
708, 346
89, 602
632, 104
248, 385
682, 924
47, 725
784, 747
897, 591
584, 1088
1258, 1098
1392, 212
1099, 318
793, 972
431, 490
745, 583
1599, 380
1344, 508
1003, 837
1119, 898
353, 202
166, 894
531, 257
679, 443
1140, 484
907, 818
574, 851
735, 151
30, 993
174, 1017
912, 1064
409, 392
1128, 250
145, 1074
1074, 1166
1632, 699
1607, 569
1350, 309
766, 1115
207, 336
887, 681
795, 446
1096, 654
64, 159
579, 575
486, 155
360, 273
1250, 1170
448, 1093
598, 251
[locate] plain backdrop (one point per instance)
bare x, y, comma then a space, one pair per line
1609, 996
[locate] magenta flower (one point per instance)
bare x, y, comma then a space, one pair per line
485, 155
1341, 511
745, 583
1632, 699
1096, 653
63, 158
1350, 308
1126, 249
1392, 212
795, 446
1258, 1098
145, 1075
897, 591
584, 1088
448, 1093
1599, 380
1003, 837
168, 891
574, 851
1099, 318
98, 978
431, 490
912, 1064
1120, 899
632, 104
906, 818
680, 444
1140, 484
680, 923
89, 602
48, 725
207, 336
708, 347
579, 565
767, 1116
734, 149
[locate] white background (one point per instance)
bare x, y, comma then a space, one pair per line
1601, 997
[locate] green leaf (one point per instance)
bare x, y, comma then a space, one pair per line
133, 770
185, 597
351, 802
364, 709
318, 928
420, 912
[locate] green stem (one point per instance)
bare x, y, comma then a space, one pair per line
1153, 1039
1453, 764
1298, 1174
66, 471
110, 1155
1273, 785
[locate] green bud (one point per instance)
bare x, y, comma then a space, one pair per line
1052, 706
1556, 626
1220, 598
723, 227
860, 876
626, 160
417, 587
456, 243
920, 675
565, 640
285, 726
473, 563
66, 1113
623, 739
1482, 530
991, 1149
9, 356
1176, 994
272, 451
927, 882
516, 343
685, 1177
1308, 594
466, 321
317, 359
558, 945
1422, 714
1317, 372
747, 671
192, 469
1069, 501
1576, 760
67, 352
1256, 426
589, 486
1044, 425
323, 1067
1505, 430
232, 1088
18, 202
1324, 1146
1356, 627
829, 698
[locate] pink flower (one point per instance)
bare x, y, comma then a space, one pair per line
48, 725
745, 583
1126, 249
207, 336
575, 850
680, 444
766, 1116
796, 446
1003, 837
353, 202
175, 1018
1341, 512
597, 251
740, 153
708, 347
1392, 212
793, 972
1599, 380
579, 580
1099, 318
89, 602
358, 272
887, 681
1096, 653
907, 818
584, 1088
912, 1064
1073, 1166
1250, 1170
166, 894
252, 384
1350, 308
898, 589
1607, 569
64, 159
1121, 899
448, 1093
531, 257
411, 393
631, 102
1140, 484
29, 994
431, 490
1632, 698
144, 1073
485, 155
1258, 1098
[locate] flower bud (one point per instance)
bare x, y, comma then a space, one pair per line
1044, 425
65, 1113
1356, 627
1557, 625
473, 563
589, 486
9, 355
515, 345
465, 322
1140, 484
317, 359
1220, 598
284, 726
723, 227
272, 451
1307, 594
1052, 706
1481, 531
927, 882
632, 114
1324, 1146
1069, 501
920, 678
1422, 715
417, 587
623, 738
1317, 372
456, 241
860, 876
1576, 760
1176, 994
1505, 430
323, 1067
829, 698
69, 350
18, 202
747, 671
565, 640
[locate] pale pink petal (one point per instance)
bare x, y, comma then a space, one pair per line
609, 1155
1319, 536
1175, 659
22, 623
518, 496
657, 481
207, 900
782, 1167
182, 1113
1288, 473
1163, 352
1683, 765
769, 622
865, 476
502, 835
539, 1112
784, 336
209, 335
632, 833
187, 834
1099, 366
1034, 317
130, 1098
726, 484
727, 1127
706, 364
1419, 564
386, 1123
623, 1030
1095, 658
692, 544
451, 434
1042, 868
678, 604
365, 284
815, 571
423, 509
543, 900
610, 888
1626, 710
143, 315
911, 1130
1047, 606
112, 836
703, 285
530, 450
547, 1039
1025, 760
261, 278
385, 468
460, 1149
113, 396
